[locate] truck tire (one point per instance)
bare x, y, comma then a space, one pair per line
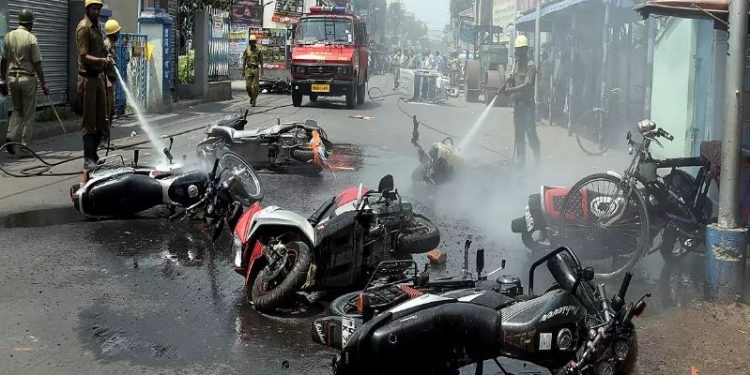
267, 300
296, 98
420, 237
351, 97
361, 93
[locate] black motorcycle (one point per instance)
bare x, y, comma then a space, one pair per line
120, 191
573, 328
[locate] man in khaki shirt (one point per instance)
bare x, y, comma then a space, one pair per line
92, 61
20, 65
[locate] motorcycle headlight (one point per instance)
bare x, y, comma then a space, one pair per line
299, 69
646, 126
237, 248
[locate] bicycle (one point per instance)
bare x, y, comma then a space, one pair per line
618, 217
597, 128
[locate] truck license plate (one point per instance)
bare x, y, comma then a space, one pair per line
348, 325
321, 87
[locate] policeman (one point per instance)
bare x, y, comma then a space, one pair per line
20, 63
252, 68
521, 89
112, 30
92, 62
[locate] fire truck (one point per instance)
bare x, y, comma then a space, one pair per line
329, 56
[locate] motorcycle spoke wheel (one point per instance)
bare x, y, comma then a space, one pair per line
600, 222
231, 163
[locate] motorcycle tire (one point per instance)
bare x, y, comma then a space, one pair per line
420, 237
345, 305
267, 300
302, 156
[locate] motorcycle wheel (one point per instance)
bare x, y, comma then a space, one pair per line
270, 294
420, 237
229, 160
345, 305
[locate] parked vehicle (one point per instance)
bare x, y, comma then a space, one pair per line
280, 252
330, 56
572, 328
282, 146
618, 216
440, 164
186, 190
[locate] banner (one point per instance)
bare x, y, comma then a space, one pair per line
467, 34
289, 8
247, 13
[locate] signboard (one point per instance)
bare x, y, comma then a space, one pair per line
289, 8
247, 13
466, 33
274, 47
504, 15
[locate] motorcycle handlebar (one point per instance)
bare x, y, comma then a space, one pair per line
665, 134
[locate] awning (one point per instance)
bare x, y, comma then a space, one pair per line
697, 9
560, 5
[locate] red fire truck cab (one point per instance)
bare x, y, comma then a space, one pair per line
329, 56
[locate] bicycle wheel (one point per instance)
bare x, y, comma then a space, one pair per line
593, 132
604, 225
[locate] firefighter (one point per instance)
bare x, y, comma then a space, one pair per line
21, 62
112, 30
521, 89
92, 61
252, 68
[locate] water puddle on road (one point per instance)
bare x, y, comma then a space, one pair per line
41, 218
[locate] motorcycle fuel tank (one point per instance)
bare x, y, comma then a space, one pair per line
546, 328
188, 188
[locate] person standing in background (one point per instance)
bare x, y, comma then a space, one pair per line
20, 65
252, 68
522, 95
112, 30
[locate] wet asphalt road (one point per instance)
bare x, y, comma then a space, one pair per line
150, 296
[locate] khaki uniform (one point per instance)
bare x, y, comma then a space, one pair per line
21, 50
89, 41
524, 124
111, 78
252, 60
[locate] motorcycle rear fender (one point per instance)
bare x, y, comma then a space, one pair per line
224, 132
615, 174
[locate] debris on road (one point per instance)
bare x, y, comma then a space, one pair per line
437, 256
362, 117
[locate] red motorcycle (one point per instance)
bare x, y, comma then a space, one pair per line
339, 246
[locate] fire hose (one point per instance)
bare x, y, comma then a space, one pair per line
45, 166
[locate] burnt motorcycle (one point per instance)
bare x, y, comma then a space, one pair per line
440, 163
280, 253
572, 328
117, 190
290, 145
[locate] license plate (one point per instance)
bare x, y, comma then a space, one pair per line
348, 325
321, 87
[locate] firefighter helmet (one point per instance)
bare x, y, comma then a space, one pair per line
111, 27
92, 2
521, 41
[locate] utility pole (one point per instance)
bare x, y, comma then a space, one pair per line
537, 47
726, 241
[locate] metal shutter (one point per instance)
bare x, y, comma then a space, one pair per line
51, 30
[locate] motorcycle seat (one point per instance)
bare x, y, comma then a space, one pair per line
519, 318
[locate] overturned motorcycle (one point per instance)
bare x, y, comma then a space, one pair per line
573, 328
282, 146
440, 163
215, 190
280, 253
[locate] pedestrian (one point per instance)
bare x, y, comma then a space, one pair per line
112, 30
20, 65
92, 61
252, 67
521, 89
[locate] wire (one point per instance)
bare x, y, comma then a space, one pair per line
45, 166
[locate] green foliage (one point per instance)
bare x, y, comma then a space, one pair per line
186, 68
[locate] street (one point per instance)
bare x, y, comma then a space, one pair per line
150, 296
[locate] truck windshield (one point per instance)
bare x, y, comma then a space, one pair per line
325, 30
